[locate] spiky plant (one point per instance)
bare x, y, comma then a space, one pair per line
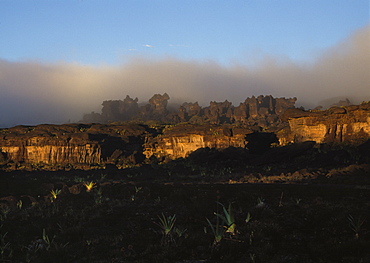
249, 218
5, 249
89, 186
54, 194
356, 224
166, 223
228, 219
98, 196
218, 231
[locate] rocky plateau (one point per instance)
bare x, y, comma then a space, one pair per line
254, 126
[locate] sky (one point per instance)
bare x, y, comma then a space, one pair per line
61, 59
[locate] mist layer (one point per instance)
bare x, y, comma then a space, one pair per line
33, 92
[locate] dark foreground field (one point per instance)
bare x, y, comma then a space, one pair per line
134, 218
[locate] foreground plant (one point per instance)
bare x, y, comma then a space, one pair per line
40, 245
137, 190
5, 249
180, 231
98, 197
89, 186
249, 218
225, 223
47, 241
167, 225
4, 211
260, 202
20, 204
356, 224
54, 194
218, 231
228, 218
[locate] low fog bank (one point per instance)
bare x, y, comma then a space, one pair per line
34, 92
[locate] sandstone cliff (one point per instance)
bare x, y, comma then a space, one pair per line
77, 145
181, 140
89, 146
337, 124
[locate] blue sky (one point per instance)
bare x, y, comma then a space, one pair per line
98, 32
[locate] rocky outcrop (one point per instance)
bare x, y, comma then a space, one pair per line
115, 110
120, 110
263, 111
337, 124
88, 146
159, 103
181, 140
75, 145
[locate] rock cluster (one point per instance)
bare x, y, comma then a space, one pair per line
263, 111
89, 146
336, 124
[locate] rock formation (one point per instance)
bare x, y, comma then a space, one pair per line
159, 103
181, 140
254, 126
336, 124
77, 145
262, 111
114, 110
157, 109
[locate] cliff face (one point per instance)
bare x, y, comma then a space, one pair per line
180, 140
87, 146
71, 145
337, 124
52, 154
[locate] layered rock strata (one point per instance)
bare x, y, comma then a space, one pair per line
87, 146
181, 140
337, 124
74, 145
